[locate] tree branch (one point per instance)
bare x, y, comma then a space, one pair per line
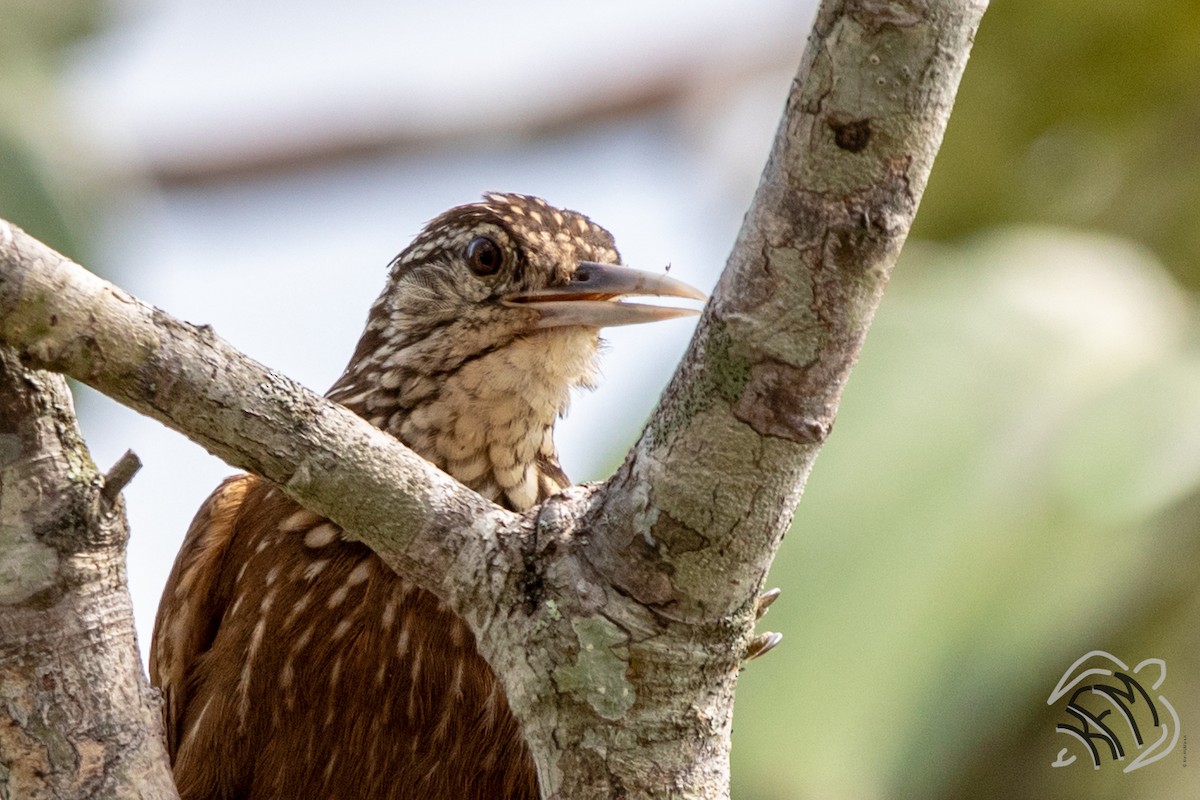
67, 643
60, 317
711, 486
616, 616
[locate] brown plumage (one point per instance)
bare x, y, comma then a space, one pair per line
294, 663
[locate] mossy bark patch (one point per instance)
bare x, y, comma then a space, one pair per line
599, 672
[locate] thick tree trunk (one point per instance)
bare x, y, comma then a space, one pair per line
616, 615
77, 718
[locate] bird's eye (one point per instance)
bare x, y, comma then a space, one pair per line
484, 256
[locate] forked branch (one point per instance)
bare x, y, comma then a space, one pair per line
616, 616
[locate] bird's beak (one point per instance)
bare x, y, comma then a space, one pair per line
593, 298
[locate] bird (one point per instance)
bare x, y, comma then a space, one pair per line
291, 661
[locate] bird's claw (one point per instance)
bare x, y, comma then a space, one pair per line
765, 642
762, 644
764, 602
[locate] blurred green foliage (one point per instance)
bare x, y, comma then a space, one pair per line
1013, 477
46, 183
991, 506
1081, 114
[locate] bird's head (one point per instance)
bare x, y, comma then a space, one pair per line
489, 318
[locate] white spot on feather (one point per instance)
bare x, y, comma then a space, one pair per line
360, 573
243, 685
338, 596
299, 520
321, 535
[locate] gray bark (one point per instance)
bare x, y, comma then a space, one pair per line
77, 718
616, 615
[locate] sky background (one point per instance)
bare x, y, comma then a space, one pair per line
327, 136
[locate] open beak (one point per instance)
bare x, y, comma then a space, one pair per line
593, 298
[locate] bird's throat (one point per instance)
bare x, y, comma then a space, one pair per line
488, 422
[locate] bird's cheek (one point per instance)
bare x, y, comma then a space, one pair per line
522, 320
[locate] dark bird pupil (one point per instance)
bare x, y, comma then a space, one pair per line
484, 256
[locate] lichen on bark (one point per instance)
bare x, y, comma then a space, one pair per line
599, 672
